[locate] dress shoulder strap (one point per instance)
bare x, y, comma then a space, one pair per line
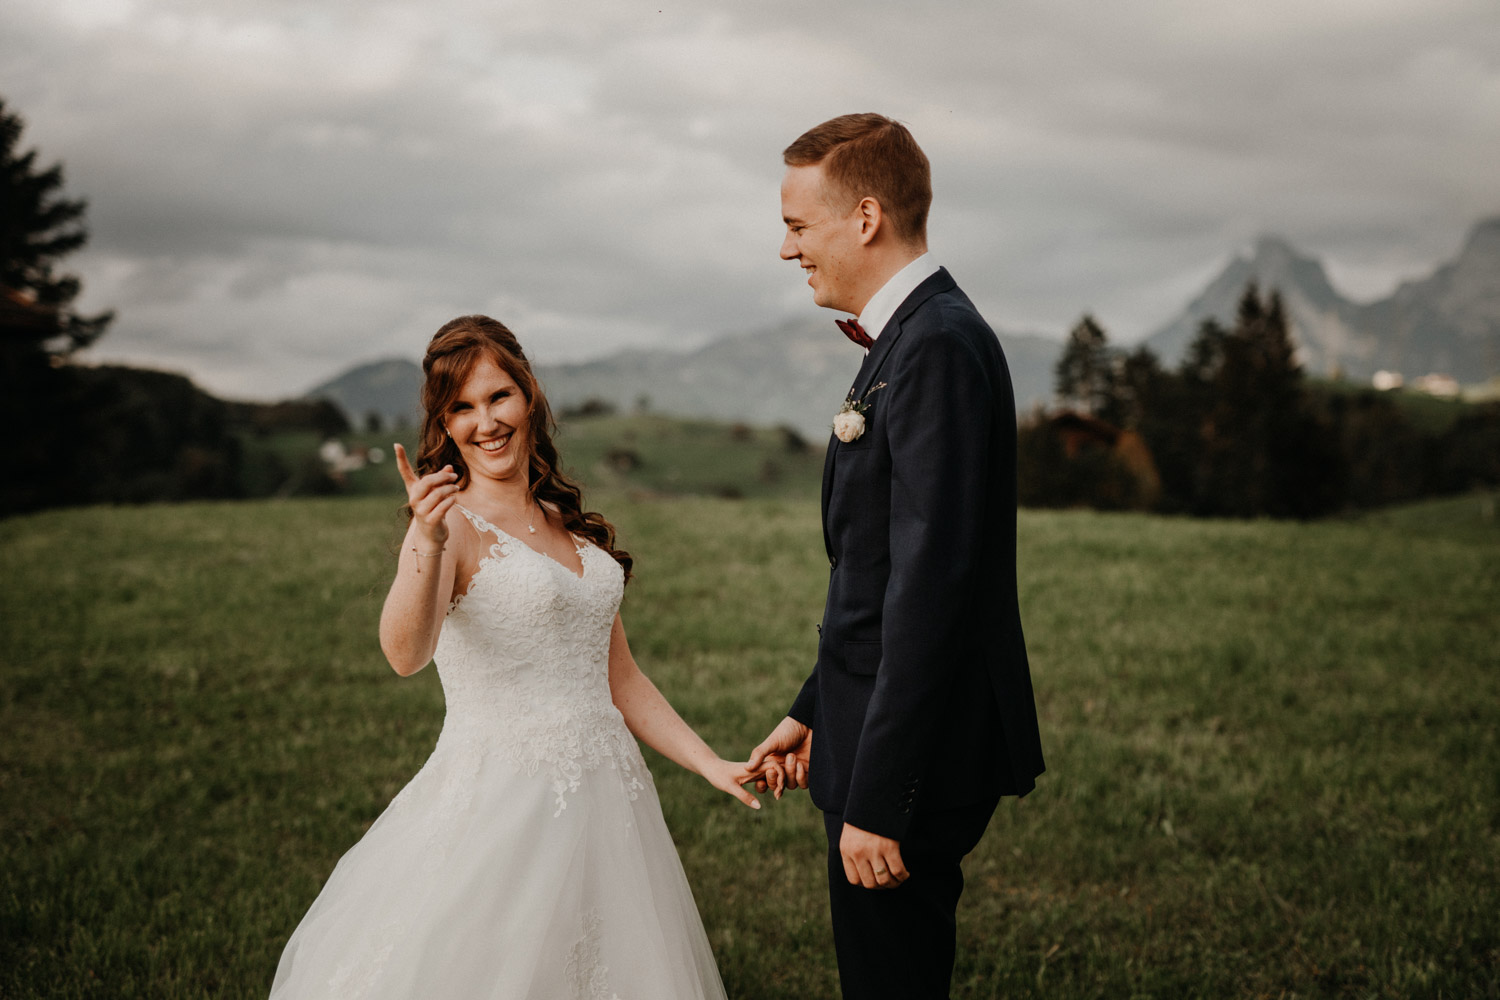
481, 525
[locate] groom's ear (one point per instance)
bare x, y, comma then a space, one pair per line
871, 218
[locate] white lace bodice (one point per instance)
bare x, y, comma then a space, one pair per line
524, 661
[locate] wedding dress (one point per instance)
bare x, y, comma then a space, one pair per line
528, 857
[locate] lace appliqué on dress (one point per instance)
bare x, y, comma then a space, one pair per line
587, 975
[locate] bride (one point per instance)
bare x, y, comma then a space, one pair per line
528, 858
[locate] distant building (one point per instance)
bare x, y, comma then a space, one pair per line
1437, 384
1081, 432
340, 459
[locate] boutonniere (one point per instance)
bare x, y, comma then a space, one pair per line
849, 422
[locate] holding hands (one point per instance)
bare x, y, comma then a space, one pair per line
790, 747
731, 777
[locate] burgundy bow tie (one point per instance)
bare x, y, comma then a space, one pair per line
856, 333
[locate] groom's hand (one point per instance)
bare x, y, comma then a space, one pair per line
871, 860
792, 742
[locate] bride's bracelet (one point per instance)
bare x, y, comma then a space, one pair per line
428, 555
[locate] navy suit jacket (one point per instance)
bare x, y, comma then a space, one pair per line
921, 696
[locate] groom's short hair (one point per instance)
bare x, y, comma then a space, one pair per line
869, 155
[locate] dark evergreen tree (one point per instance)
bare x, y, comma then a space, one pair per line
38, 227
38, 327
1134, 382
1261, 448
1083, 372
1468, 455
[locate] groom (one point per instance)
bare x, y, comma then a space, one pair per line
920, 698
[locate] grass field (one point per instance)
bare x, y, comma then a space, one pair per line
637, 453
1274, 768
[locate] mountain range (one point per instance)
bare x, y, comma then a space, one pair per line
1448, 322
795, 374
798, 373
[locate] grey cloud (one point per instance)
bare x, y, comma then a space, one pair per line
279, 189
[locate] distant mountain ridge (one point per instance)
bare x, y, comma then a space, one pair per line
390, 389
795, 374
1448, 322
798, 373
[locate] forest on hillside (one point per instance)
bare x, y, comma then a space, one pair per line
1237, 430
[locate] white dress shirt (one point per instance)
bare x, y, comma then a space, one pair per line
883, 304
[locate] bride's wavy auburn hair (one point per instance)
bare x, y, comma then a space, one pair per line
451, 356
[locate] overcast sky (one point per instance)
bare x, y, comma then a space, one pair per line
280, 189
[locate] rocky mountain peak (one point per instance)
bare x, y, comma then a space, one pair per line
1447, 322
1318, 313
1480, 256
1466, 293
1484, 237
1278, 264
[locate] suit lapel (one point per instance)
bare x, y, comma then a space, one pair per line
938, 282
831, 456
889, 334
828, 456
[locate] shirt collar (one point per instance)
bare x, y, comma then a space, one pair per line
884, 303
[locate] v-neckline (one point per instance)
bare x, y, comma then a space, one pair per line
583, 566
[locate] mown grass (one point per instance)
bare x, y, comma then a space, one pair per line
1274, 768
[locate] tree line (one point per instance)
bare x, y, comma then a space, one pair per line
1236, 430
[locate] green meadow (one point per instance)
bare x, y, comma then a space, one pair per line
641, 454
1273, 748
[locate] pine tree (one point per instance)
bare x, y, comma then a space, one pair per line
39, 394
1083, 371
1260, 448
38, 226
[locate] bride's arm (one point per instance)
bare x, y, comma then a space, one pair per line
425, 568
653, 721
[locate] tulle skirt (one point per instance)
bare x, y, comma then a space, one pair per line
482, 881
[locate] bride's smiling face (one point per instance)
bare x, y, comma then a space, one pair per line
488, 423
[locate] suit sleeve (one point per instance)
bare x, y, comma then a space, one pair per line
938, 429
805, 706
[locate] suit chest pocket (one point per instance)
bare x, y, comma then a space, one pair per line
863, 445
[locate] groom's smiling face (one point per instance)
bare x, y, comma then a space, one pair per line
821, 239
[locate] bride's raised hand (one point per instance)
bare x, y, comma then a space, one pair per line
431, 497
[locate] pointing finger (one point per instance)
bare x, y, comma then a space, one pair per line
408, 476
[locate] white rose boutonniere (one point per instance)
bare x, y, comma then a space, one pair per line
849, 422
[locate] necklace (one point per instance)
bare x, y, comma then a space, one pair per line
530, 517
